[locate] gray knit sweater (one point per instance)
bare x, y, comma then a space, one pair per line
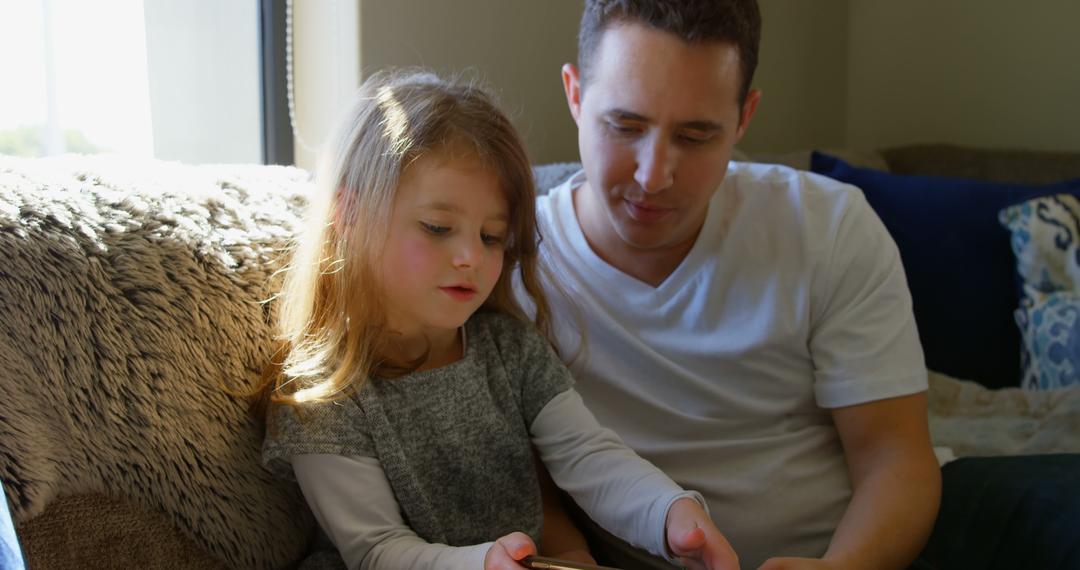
453, 441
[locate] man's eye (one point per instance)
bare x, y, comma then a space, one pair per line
434, 229
624, 129
694, 139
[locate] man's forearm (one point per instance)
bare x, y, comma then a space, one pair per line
892, 511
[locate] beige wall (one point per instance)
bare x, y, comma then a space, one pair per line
517, 46
802, 72
835, 73
987, 73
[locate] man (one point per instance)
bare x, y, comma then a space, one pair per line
747, 328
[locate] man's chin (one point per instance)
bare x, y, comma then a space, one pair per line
644, 241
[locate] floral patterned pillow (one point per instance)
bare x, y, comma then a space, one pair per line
1050, 327
1046, 241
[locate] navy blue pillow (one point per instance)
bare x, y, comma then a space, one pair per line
960, 267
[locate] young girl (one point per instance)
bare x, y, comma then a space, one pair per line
412, 383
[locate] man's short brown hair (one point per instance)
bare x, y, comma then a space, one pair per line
737, 22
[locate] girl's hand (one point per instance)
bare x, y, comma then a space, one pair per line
796, 564
692, 536
504, 554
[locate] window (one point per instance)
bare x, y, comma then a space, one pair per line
172, 80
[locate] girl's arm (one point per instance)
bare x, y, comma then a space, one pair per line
622, 492
352, 500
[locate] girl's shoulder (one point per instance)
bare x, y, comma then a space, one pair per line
332, 427
497, 321
317, 420
511, 336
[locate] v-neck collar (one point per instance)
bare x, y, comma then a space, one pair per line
616, 278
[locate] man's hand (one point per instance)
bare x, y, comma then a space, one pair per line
797, 564
692, 536
505, 553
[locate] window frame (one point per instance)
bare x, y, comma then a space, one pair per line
277, 134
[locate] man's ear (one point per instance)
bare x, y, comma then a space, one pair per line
571, 82
748, 108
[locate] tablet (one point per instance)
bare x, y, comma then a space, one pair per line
555, 564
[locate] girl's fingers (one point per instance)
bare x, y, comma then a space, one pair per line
518, 545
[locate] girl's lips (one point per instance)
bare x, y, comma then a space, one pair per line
643, 213
459, 293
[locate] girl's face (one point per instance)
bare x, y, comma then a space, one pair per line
444, 254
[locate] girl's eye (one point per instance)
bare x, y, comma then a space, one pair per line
434, 229
491, 239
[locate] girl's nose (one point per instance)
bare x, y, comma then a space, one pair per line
469, 253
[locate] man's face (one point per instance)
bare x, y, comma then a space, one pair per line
657, 122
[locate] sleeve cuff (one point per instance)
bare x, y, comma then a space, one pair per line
662, 543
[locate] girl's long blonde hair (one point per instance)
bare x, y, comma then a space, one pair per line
330, 319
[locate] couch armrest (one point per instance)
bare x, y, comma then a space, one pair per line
95, 531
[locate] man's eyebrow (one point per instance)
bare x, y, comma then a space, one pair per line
696, 125
703, 126
623, 114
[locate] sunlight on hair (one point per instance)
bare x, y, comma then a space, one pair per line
332, 265
396, 124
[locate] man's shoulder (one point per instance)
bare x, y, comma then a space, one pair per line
791, 189
779, 176
553, 207
552, 175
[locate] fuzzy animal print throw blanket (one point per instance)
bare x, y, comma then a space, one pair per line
130, 294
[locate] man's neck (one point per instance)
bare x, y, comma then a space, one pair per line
652, 266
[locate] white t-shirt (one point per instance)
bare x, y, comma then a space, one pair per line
792, 301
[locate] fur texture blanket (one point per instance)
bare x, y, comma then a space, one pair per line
130, 294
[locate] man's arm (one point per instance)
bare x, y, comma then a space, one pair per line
896, 485
896, 482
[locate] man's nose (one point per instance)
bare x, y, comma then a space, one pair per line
655, 165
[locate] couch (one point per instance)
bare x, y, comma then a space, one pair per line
133, 302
